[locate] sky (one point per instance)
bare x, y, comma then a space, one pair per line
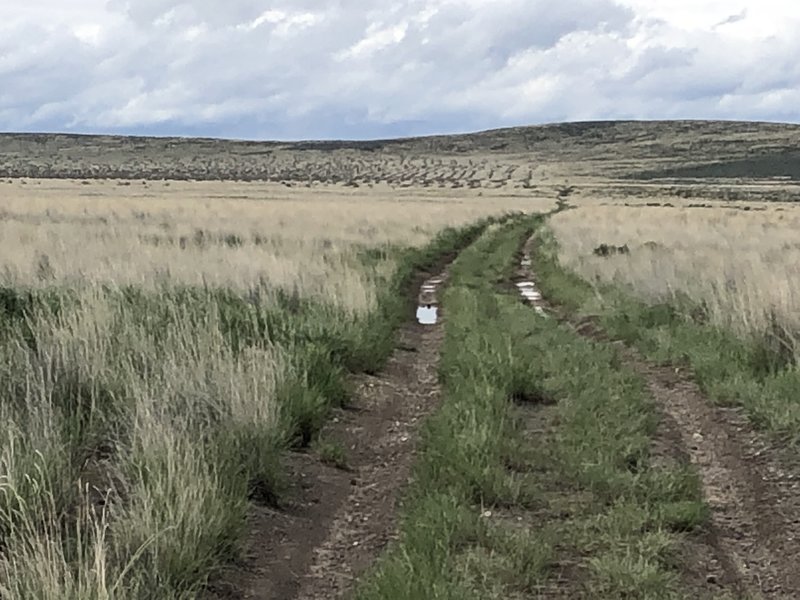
357, 69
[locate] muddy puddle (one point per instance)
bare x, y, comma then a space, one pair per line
527, 288
428, 315
428, 301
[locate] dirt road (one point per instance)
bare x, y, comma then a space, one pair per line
339, 520
751, 547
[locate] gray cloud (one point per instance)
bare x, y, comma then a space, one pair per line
309, 68
733, 19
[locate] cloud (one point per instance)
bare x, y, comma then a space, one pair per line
363, 68
376, 39
733, 19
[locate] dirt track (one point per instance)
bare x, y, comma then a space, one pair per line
339, 521
753, 497
751, 547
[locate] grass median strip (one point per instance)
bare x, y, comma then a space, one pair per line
536, 475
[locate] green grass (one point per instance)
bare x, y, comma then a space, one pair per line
757, 374
503, 494
331, 452
182, 400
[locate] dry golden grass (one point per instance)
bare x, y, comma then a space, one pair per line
236, 235
143, 396
743, 265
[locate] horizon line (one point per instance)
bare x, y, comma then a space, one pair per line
391, 139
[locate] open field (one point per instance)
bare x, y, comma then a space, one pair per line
728, 404
725, 283
159, 350
742, 267
214, 387
527, 466
221, 234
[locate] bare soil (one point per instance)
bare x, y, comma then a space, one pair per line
339, 520
750, 487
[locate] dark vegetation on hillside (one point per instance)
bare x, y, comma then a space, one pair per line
779, 163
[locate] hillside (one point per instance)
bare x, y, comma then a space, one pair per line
516, 157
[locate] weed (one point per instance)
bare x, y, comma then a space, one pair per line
331, 453
177, 401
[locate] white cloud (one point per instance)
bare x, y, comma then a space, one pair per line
89, 33
363, 68
375, 39
286, 22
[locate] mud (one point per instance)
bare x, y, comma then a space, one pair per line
525, 280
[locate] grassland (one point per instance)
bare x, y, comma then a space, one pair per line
160, 352
176, 315
220, 234
536, 478
741, 266
715, 289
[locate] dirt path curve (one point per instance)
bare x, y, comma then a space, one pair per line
341, 520
751, 486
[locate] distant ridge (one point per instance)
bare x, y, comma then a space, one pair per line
624, 148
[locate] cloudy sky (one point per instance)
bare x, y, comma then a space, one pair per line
300, 69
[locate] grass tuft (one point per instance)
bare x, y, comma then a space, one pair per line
331, 453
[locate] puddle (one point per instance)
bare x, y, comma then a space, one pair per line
527, 289
427, 314
428, 302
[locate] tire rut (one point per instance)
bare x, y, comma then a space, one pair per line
754, 502
752, 488
340, 520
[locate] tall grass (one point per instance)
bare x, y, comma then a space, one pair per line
739, 268
146, 421
229, 235
738, 338
147, 395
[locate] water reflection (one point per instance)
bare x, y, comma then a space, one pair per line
528, 289
427, 314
